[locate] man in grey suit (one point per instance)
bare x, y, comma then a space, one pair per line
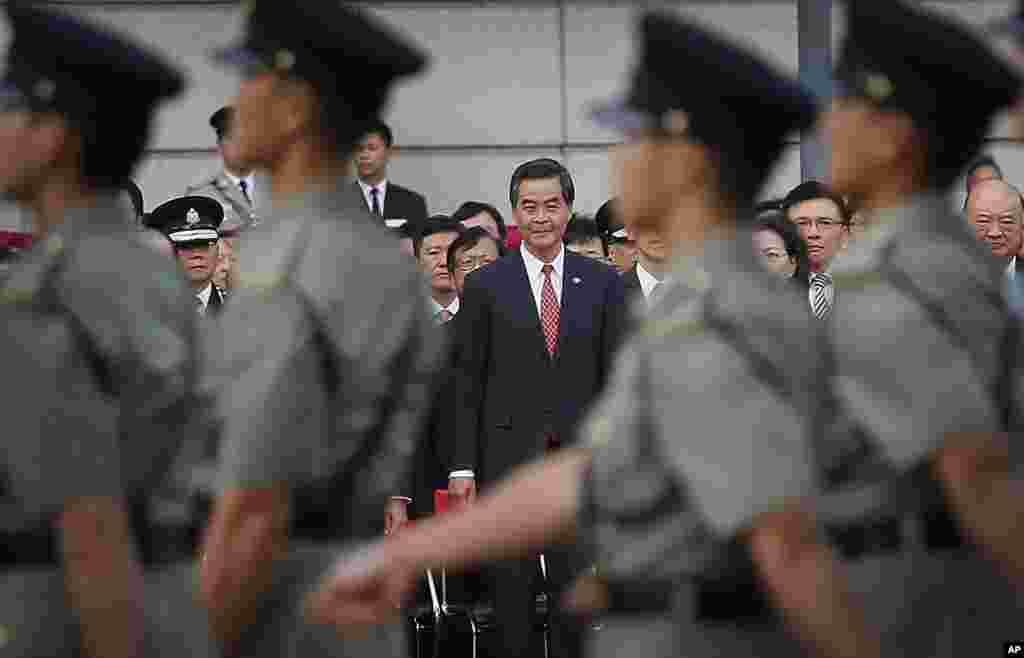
100, 361
322, 382
923, 352
234, 186
698, 454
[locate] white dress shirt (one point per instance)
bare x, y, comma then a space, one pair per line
250, 186
534, 272
204, 295
647, 280
436, 308
382, 191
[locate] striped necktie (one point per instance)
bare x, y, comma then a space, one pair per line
821, 294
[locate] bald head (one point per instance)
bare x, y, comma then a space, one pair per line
995, 210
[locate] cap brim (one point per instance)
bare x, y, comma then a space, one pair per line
195, 235
237, 57
617, 115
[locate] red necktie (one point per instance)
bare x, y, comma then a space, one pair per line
549, 311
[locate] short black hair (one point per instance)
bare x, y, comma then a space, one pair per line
378, 127
812, 189
468, 239
471, 209
542, 168
432, 226
135, 193
583, 228
606, 218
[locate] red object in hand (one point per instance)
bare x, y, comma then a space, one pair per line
442, 501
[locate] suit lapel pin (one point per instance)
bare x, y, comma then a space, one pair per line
577, 280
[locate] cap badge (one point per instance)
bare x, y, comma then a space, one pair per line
675, 122
284, 60
191, 217
878, 86
44, 89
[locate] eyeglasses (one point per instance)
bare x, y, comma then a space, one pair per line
470, 263
824, 223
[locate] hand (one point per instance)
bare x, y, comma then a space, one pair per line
396, 515
363, 589
462, 489
986, 495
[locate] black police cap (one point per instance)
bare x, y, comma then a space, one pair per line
220, 120
937, 71
324, 42
188, 219
744, 112
62, 63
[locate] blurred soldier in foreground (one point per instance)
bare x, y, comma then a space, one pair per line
323, 381
699, 453
99, 361
924, 356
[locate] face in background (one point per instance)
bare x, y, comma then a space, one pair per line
485, 221
433, 261
372, 157
623, 254
821, 226
227, 264
199, 260
592, 248
469, 260
542, 215
230, 152
771, 251
994, 210
32, 144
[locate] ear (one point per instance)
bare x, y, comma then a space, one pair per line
51, 138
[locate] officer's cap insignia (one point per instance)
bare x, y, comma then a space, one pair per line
878, 86
191, 217
284, 60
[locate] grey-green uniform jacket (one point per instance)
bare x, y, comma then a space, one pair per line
693, 438
319, 277
238, 211
918, 342
98, 382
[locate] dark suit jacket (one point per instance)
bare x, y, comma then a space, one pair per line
509, 392
399, 203
433, 454
631, 281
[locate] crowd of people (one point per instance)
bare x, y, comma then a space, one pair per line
330, 424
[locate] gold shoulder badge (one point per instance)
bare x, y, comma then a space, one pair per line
857, 280
878, 87
600, 431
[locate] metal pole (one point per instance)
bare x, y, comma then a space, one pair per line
814, 21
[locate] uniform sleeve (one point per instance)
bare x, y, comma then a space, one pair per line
267, 377
634, 517
62, 440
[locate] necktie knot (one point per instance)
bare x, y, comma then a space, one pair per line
547, 269
822, 279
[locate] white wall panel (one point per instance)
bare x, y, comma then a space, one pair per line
449, 178
494, 77
162, 177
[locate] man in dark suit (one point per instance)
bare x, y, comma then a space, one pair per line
535, 340
381, 196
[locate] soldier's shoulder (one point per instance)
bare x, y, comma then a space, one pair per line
207, 182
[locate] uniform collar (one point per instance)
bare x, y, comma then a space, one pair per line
381, 187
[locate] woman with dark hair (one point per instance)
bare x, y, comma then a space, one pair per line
779, 247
